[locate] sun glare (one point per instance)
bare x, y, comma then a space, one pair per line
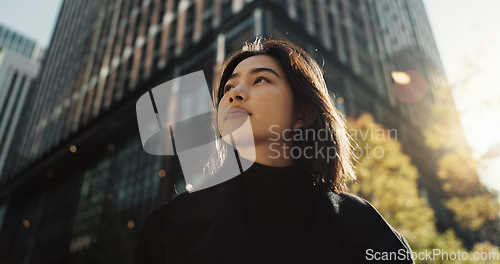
401, 77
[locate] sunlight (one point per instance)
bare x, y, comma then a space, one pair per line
401, 77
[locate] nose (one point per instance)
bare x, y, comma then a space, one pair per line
236, 94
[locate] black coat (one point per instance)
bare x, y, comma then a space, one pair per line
345, 227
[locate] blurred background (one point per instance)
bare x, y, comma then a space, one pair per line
416, 79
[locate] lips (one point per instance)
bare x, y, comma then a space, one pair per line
236, 112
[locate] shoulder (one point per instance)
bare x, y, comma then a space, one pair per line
362, 224
203, 204
353, 207
174, 227
354, 212
341, 200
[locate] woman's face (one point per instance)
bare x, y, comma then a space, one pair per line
259, 90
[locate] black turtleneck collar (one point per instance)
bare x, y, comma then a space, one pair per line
279, 210
263, 178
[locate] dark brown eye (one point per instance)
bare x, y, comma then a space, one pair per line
261, 80
227, 88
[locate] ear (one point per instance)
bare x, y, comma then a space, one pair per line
299, 123
303, 118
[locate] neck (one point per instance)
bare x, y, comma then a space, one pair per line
275, 154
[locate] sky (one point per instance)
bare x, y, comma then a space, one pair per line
467, 33
34, 19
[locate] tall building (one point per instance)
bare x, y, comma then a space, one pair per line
22, 45
19, 65
78, 153
17, 73
20, 59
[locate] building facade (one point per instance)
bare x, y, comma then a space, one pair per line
22, 45
20, 59
78, 153
17, 73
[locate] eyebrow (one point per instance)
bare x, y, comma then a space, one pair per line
256, 70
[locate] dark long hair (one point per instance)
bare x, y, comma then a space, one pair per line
312, 100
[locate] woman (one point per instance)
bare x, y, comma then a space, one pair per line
290, 206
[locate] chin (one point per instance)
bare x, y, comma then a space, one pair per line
238, 133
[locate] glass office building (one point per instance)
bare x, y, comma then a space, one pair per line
20, 44
78, 152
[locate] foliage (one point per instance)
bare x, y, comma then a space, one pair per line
444, 131
388, 180
457, 172
488, 250
474, 212
474, 207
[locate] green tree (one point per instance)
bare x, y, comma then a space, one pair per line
457, 172
444, 132
474, 212
388, 180
474, 207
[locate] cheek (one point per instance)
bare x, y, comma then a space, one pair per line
278, 110
222, 101
219, 117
